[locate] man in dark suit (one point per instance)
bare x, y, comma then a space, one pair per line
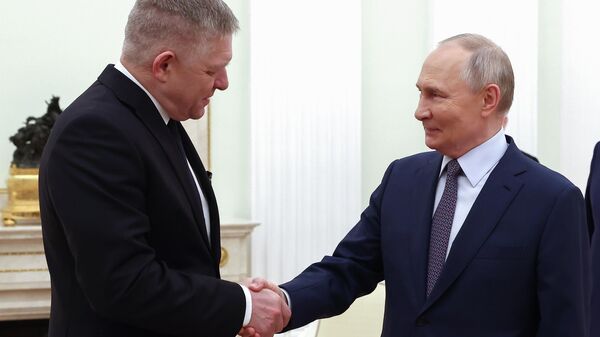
129, 217
592, 200
473, 239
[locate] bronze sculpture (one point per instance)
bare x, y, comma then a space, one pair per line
23, 205
31, 138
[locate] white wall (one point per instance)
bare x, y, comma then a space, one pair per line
395, 43
306, 111
230, 126
580, 107
52, 48
552, 47
518, 39
60, 48
550, 82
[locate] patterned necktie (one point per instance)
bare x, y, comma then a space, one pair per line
441, 226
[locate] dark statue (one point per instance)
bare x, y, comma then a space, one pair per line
31, 138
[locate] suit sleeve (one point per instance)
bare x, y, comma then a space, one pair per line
96, 181
591, 183
593, 208
563, 269
327, 288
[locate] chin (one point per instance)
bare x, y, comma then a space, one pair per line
431, 143
198, 114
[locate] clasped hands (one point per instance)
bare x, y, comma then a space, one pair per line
270, 312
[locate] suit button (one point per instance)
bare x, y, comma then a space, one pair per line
422, 321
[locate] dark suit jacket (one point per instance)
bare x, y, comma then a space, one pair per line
125, 242
592, 200
518, 267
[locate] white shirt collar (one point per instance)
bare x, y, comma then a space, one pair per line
120, 67
480, 160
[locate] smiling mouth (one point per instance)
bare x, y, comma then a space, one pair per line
430, 130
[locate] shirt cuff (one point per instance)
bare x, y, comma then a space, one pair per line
248, 313
287, 298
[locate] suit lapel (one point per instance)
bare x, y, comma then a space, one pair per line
188, 184
133, 96
498, 192
209, 194
422, 195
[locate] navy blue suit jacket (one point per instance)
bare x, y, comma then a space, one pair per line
592, 200
125, 240
518, 267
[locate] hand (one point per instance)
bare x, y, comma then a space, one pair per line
270, 314
248, 331
258, 284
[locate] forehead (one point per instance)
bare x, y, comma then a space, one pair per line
443, 65
214, 52
217, 51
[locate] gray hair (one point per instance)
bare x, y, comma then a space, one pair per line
156, 25
488, 64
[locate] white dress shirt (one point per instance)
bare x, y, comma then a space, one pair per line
477, 164
205, 210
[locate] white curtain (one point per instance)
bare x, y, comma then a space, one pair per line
580, 107
305, 112
513, 25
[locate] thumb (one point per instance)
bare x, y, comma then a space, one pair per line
257, 284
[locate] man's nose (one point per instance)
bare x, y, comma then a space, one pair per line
422, 112
222, 82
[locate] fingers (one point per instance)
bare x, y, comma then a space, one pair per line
269, 312
258, 284
286, 312
248, 332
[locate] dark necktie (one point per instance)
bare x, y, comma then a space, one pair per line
174, 129
441, 225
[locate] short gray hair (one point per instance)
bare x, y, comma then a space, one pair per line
156, 25
488, 64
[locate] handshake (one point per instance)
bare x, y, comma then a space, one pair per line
270, 310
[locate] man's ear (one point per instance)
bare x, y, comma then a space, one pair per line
161, 66
491, 98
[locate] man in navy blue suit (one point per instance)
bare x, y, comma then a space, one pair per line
473, 239
592, 200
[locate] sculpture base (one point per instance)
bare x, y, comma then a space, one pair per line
23, 206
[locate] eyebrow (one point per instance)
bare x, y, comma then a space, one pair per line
219, 65
430, 88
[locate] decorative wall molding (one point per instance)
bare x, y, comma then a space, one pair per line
25, 281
